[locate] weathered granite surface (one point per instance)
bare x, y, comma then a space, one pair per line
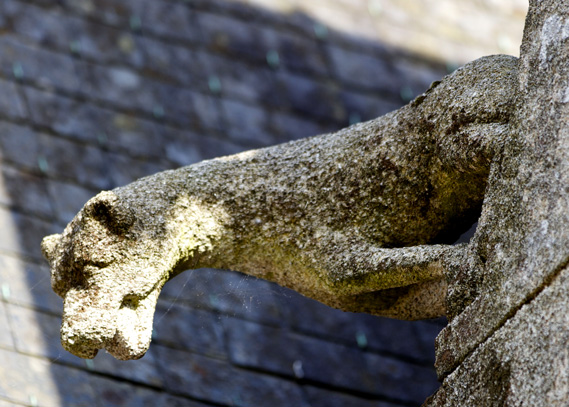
507, 343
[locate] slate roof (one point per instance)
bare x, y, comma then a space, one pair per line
95, 94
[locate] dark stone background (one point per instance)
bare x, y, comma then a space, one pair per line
94, 94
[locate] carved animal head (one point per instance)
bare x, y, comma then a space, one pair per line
103, 268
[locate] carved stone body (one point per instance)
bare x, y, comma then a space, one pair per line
359, 219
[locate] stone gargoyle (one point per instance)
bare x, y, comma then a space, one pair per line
361, 220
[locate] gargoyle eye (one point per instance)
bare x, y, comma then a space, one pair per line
107, 209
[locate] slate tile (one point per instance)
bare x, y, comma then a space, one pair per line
28, 284
144, 370
122, 87
115, 394
181, 147
133, 136
367, 107
398, 379
327, 398
252, 345
70, 160
190, 109
98, 126
301, 54
25, 191
357, 330
44, 68
293, 127
76, 387
44, 382
67, 116
230, 293
367, 71
22, 234
168, 20
19, 145
11, 104
216, 381
246, 123
124, 170
188, 329
418, 74
37, 333
228, 35
75, 197
237, 78
173, 63
211, 147
6, 336
310, 96
73, 35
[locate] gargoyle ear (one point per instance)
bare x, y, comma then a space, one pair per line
107, 209
49, 246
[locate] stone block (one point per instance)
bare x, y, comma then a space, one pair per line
227, 292
28, 284
217, 381
188, 329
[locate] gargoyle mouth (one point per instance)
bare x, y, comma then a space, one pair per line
124, 330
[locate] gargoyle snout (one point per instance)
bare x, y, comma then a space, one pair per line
89, 322
49, 246
94, 321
